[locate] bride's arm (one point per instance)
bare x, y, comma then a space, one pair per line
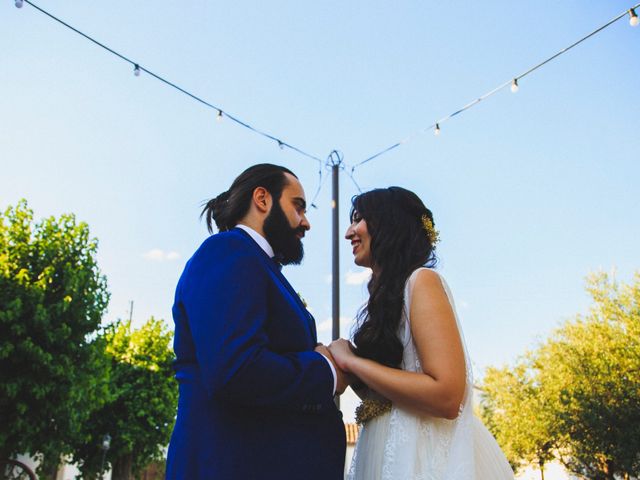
439, 389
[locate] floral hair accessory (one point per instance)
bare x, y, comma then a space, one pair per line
432, 233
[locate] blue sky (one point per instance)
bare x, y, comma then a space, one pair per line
530, 191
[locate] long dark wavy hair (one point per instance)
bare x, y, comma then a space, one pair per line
399, 245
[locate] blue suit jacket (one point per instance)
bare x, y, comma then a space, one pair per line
255, 399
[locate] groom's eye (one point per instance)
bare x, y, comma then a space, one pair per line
300, 206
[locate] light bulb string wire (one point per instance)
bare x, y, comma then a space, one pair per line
281, 143
495, 90
354, 181
321, 181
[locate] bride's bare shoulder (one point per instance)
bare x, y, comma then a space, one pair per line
428, 278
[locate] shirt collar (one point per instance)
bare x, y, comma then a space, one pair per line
259, 239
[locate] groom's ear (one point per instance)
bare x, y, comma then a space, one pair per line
262, 199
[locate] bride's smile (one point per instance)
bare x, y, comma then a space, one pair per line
360, 239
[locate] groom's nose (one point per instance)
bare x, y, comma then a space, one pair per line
304, 223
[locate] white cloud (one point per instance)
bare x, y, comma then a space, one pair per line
328, 279
325, 326
358, 278
158, 255
155, 255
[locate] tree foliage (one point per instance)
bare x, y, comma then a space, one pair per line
516, 414
140, 410
577, 396
590, 371
52, 298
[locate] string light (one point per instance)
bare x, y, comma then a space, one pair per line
633, 20
137, 70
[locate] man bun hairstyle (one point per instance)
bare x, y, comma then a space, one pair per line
229, 207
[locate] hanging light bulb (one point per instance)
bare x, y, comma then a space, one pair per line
19, 3
136, 70
281, 145
633, 18
514, 85
219, 116
436, 132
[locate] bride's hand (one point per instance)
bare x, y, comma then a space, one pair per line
342, 351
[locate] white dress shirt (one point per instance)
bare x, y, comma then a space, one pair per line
262, 242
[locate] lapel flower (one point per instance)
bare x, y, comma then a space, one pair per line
304, 302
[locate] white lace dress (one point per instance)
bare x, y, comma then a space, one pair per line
399, 445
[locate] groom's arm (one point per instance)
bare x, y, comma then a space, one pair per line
225, 300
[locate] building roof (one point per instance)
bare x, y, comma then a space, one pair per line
352, 430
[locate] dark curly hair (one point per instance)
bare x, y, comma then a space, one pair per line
399, 245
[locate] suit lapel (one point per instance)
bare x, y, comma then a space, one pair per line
310, 321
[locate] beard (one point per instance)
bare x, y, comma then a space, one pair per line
284, 240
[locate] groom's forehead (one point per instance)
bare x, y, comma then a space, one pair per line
293, 188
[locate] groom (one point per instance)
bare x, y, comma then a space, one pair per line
256, 393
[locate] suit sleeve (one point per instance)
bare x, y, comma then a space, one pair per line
226, 305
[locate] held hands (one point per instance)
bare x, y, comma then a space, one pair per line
342, 352
342, 379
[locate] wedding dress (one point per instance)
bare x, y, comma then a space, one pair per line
399, 445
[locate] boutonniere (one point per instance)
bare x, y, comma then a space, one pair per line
304, 302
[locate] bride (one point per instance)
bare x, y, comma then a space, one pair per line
408, 356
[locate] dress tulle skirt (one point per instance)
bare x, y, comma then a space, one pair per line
374, 458
490, 462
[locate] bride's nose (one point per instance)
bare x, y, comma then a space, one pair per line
349, 233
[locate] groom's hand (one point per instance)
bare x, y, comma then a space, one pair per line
342, 379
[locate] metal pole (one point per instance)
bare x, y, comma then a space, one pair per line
335, 160
335, 203
104, 454
106, 443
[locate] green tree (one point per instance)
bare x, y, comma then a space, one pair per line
140, 410
589, 372
52, 298
577, 397
515, 412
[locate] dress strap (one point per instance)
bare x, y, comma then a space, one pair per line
405, 327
